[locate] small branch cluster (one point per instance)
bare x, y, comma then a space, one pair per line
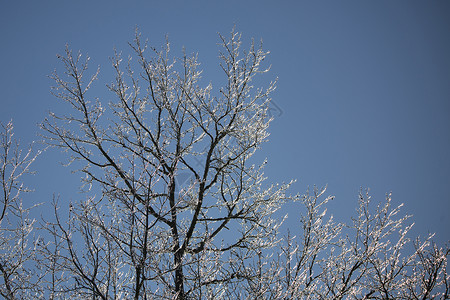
16, 244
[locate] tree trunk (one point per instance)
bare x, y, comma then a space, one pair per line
179, 277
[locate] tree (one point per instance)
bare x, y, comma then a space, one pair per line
163, 126
16, 244
370, 259
183, 211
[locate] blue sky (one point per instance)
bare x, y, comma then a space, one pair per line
363, 91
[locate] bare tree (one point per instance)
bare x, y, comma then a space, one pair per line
373, 258
178, 208
173, 161
16, 244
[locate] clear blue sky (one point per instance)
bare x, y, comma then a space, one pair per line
364, 86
